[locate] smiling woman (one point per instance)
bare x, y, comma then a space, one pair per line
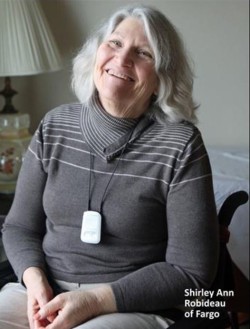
163, 48
120, 217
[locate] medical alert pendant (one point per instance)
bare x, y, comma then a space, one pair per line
91, 227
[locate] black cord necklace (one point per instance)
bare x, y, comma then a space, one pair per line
91, 157
92, 220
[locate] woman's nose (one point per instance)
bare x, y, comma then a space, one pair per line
124, 57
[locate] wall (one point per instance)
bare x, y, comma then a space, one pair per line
215, 32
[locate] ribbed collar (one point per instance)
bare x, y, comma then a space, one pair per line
107, 135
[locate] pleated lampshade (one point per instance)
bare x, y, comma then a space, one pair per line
26, 44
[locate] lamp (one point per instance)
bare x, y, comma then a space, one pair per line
27, 48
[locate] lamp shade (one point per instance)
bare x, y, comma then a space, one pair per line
26, 44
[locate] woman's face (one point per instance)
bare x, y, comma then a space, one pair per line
124, 73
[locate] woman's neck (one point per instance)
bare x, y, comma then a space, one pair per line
124, 109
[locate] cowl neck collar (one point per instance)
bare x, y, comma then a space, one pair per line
105, 134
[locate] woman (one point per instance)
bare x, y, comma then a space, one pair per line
114, 207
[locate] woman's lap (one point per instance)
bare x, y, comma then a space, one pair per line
125, 321
13, 301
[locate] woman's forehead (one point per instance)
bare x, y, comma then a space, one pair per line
130, 25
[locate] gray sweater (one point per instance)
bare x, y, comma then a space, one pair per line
159, 225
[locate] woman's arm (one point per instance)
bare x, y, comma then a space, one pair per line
24, 227
192, 243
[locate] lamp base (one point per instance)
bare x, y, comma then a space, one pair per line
8, 93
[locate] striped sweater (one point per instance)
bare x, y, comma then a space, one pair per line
159, 226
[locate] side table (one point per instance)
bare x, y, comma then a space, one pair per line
5, 203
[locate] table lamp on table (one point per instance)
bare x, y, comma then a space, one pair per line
27, 47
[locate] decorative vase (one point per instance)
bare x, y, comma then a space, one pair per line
14, 140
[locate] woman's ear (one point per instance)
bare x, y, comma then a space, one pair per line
153, 97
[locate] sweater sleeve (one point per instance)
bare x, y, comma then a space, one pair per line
24, 226
192, 242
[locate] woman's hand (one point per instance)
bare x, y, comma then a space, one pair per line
70, 309
39, 293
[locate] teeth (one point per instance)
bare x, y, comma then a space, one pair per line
119, 75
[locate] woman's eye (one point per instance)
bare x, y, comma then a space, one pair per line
145, 53
116, 43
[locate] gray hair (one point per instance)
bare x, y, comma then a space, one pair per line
172, 66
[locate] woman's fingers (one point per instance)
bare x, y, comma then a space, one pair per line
50, 310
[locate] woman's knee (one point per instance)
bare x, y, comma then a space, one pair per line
13, 306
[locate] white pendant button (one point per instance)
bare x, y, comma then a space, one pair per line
91, 227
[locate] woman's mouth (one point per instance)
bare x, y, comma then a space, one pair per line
119, 75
